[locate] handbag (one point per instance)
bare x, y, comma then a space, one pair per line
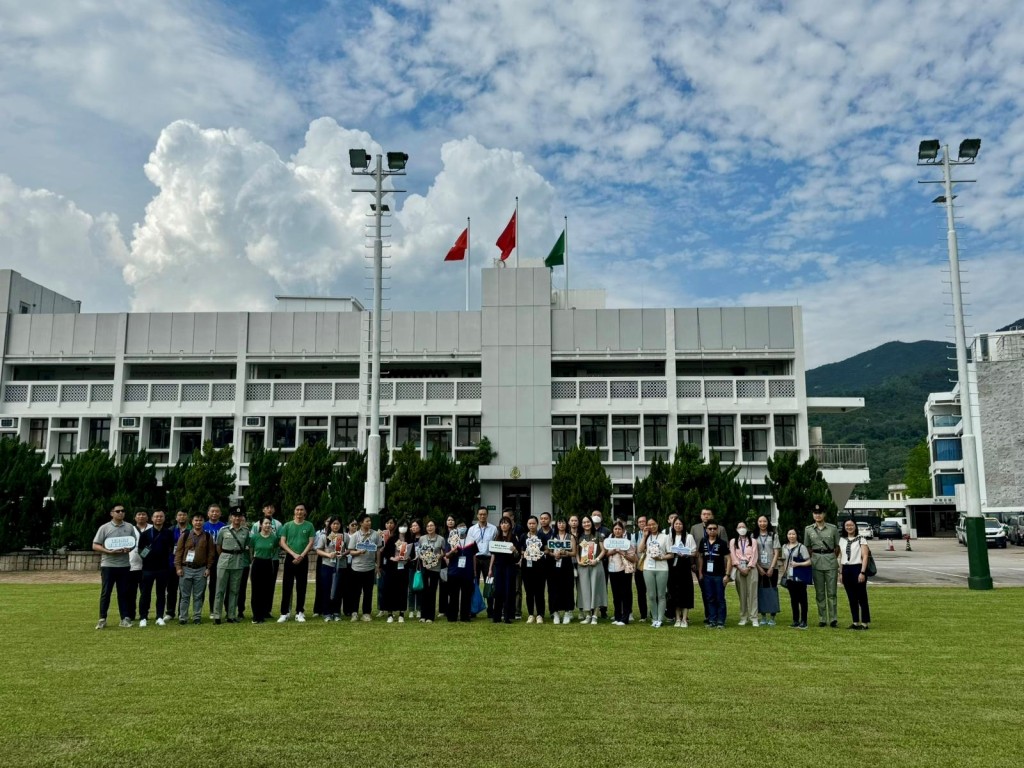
417, 581
477, 604
488, 587
872, 569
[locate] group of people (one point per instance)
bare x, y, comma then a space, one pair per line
421, 570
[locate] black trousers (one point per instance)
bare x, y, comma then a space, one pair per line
504, 592
119, 578
534, 581
428, 597
243, 591
134, 582
149, 579
295, 574
641, 593
798, 600
171, 602
263, 583
622, 595
460, 598
362, 586
856, 593
443, 594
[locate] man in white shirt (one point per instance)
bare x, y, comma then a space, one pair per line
135, 560
482, 534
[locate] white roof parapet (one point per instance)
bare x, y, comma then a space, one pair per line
833, 404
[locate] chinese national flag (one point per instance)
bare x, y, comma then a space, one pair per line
507, 240
458, 251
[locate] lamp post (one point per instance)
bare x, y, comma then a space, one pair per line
359, 160
928, 153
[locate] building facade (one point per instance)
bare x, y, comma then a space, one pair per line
631, 384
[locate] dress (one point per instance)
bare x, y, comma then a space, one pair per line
680, 573
395, 589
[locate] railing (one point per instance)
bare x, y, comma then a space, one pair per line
178, 392
59, 392
391, 390
851, 456
763, 389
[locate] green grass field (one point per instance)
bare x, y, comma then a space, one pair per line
936, 682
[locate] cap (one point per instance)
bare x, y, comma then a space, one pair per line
817, 510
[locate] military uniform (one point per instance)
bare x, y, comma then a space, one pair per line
234, 554
822, 544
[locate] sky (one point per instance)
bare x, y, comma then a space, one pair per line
193, 156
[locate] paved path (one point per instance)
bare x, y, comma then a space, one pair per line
942, 562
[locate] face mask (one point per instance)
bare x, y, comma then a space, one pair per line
462, 530
402, 529
741, 531
596, 519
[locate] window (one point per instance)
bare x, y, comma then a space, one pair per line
250, 442
37, 431
721, 430
623, 419
314, 421
284, 431
314, 436
656, 431
755, 444
594, 431
945, 420
346, 432
192, 422
625, 444
726, 457
947, 450
68, 423
439, 440
65, 446
188, 442
129, 443
99, 433
23, 308
562, 440
692, 436
223, 432
755, 419
467, 431
159, 434
945, 485
785, 431
407, 430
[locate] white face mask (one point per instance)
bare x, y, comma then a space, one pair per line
402, 529
462, 530
741, 531
596, 519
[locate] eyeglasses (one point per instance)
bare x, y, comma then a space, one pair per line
119, 510
712, 527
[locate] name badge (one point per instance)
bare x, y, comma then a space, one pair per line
789, 573
711, 566
144, 553
401, 566
462, 562
558, 563
190, 556
529, 563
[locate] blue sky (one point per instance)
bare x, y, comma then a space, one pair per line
193, 156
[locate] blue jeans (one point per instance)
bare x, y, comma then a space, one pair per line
713, 590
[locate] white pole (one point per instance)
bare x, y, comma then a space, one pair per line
372, 494
566, 255
469, 250
517, 231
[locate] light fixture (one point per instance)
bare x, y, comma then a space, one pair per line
384, 207
969, 149
359, 159
397, 161
942, 199
928, 150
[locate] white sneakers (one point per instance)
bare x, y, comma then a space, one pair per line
161, 623
618, 623
101, 624
366, 617
391, 619
593, 619
300, 617
401, 619
566, 618
355, 617
540, 620
743, 622
655, 624
283, 618
142, 623
756, 623
530, 619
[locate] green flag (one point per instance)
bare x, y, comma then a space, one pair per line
557, 255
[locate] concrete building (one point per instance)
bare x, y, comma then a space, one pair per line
532, 377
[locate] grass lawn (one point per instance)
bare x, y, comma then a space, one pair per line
936, 682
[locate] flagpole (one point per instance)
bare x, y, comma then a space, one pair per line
566, 262
469, 250
517, 231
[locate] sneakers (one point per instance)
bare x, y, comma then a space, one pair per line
197, 620
300, 617
678, 623
771, 622
366, 617
530, 620
327, 618
756, 623
803, 625
159, 623
336, 617
143, 623
401, 619
834, 624
391, 619
283, 618
380, 614
593, 619
566, 618
583, 619
683, 624
540, 619
101, 624
126, 623
167, 617
355, 617
743, 622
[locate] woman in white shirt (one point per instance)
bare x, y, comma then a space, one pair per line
621, 567
767, 571
654, 548
680, 571
853, 574
795, 555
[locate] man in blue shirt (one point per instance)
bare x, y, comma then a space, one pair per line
482, 534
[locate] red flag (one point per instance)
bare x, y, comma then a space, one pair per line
458, 251
507, 240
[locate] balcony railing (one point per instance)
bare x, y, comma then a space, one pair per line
59, 392
850, 456
762, 389
391, 390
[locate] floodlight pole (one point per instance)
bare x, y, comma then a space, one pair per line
980, 577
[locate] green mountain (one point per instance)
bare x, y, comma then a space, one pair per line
894, 380
1016, 326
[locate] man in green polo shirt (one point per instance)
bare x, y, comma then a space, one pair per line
296, 540
822, 540
233, 554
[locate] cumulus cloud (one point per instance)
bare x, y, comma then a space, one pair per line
48, 239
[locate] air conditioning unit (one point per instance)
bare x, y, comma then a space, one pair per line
432, 421
8, 423
129, 422
255, 421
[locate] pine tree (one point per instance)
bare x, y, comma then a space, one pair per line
24, 483
305, 476
208, 478
83, 496
264, 482
579, 484
796, 488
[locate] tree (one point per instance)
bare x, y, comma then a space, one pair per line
24, 483
264, 481
137, 486
343, 496
83, 496
916, 472
579, 484
173, 485
434, 487
796, 488
206, 478
305, 476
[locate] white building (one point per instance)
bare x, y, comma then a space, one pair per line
535, 379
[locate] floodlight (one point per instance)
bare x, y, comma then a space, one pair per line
384, 208
942, 199
359, 159
928, 150
397, 161
969, 148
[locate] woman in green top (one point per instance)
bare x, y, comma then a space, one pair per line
263, 549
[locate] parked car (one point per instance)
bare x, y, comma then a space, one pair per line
995, 532
1016, 534
865, 530
890, 529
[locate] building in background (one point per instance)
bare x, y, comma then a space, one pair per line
534, 378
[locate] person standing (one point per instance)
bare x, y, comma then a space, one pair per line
194, 557
431, 557
767, 571
589, 556
460, 555
603, 531
699, 531
854, 575
296, 540
156, 545
268, 512
263, 550
713, 563
332, 549
394, 592
365, 547
621, 565
482, 534
180, 527
502, 571
638, 575
743, 550
561, 550
232, 555
442, 586
654, 549
213, 526
795, 555
680, 571
533, 571
135, 560
115, 568
822, 539
412, 535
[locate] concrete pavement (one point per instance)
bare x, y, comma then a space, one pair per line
941, 562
